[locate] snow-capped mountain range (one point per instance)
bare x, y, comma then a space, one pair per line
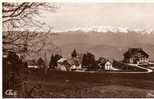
105, 29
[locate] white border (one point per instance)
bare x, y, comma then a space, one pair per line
58, 1
1, 50
84, 1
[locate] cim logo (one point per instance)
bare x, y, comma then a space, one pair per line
10, 92
150, 95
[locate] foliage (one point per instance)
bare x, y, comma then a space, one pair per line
89, 60
101, 62
12, 72
19, 18
16, 14
41, 63
53, 60
84, 61
74, 54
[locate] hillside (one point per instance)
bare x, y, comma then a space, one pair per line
111, 45
108, 44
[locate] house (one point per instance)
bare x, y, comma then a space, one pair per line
69, 64
105, 64
61, 67
135, 56
61, 64
108, 66
75, 64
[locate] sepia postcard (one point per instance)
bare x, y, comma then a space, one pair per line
77, 50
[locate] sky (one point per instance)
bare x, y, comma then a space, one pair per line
78, 15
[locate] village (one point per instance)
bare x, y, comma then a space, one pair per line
135, 60
77, 50
136, 63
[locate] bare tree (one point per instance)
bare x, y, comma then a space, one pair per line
17, 16
17, 13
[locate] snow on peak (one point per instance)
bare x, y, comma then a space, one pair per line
100, 29
105, 29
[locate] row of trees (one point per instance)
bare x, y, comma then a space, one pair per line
13, 64
88, 60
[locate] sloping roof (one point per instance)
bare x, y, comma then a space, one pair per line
61, 60
132, 51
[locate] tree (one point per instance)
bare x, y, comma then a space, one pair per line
12, 69
18, 16
84, 61
101, 62
74, 54
20, 22
89, 60
53, 60
41, 63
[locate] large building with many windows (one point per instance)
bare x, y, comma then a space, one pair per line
136, 56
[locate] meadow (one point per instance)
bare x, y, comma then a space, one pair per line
63, 84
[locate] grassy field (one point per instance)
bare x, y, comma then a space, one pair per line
75, 84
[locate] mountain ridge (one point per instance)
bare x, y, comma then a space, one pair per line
104, 29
